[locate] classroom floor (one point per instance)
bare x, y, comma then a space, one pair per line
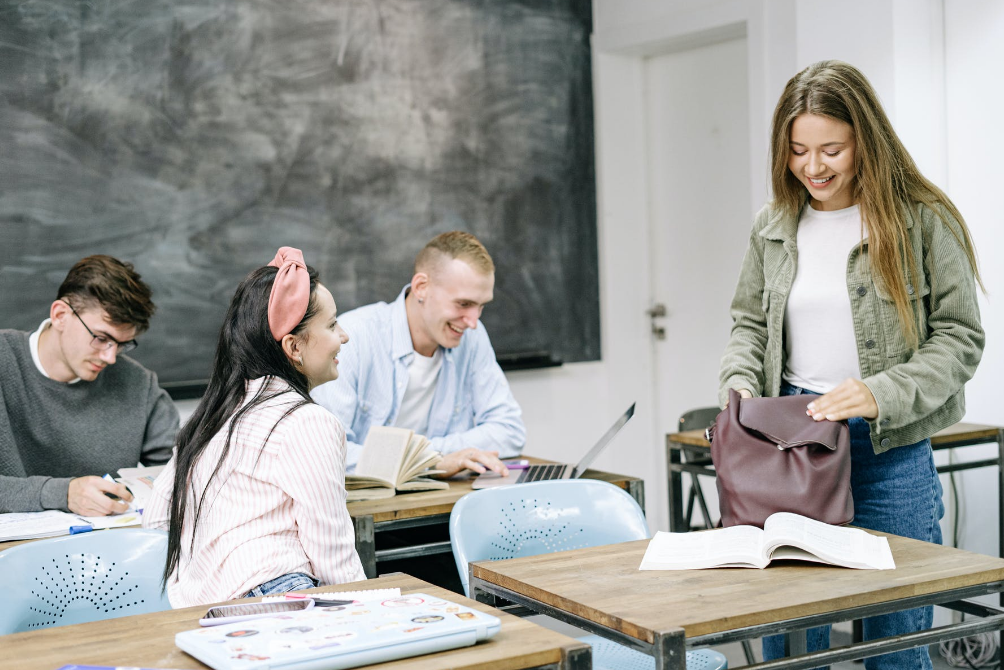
840, 635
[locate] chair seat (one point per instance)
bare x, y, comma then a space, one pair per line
608, 655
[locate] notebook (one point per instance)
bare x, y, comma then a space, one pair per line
543, 472
343, 636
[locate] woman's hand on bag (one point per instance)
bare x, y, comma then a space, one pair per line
743, 393
851, 398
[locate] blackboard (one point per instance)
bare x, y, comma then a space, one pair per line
193, 138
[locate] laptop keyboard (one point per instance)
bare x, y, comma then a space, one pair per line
538, 473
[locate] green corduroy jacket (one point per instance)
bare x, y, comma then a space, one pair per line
918, 392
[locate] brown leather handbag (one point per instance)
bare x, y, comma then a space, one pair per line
771, 457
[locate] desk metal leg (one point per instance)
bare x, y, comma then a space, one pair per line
670, 650
1000, 501
795, 643
636, 489
577, 659
366, 544
674, 489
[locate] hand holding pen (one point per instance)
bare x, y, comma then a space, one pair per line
97, 496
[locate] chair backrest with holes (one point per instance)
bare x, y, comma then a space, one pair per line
80, 578
539, 518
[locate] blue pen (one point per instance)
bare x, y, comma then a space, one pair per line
76, 530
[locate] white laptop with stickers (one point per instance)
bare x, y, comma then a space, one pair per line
342, 636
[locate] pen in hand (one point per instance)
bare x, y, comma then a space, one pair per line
111, 495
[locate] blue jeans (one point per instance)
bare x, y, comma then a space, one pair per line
294, 581
895, 492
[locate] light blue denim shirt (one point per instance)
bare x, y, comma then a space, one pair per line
472, 407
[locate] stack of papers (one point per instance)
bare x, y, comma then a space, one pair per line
35, 525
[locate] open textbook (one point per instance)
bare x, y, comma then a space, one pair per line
392, 460
785, 536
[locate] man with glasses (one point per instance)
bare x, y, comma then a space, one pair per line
72, 407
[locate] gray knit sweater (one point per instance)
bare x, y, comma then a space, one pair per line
51, 432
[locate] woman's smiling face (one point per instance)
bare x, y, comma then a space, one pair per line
822, 158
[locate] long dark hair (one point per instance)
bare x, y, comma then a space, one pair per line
246, 350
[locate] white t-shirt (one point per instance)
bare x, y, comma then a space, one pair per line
33, 348
423, 373
819, 338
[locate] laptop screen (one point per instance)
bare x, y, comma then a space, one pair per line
591, 455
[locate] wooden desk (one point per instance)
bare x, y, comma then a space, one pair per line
147, 640
689, 451
432, 508
423, 508
663, 612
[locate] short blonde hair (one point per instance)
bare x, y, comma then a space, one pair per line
454, 244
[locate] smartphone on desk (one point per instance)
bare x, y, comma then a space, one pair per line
221, 614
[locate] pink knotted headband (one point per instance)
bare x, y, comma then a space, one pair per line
287, 303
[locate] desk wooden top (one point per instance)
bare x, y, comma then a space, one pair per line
970, 433
604, 585
147, 640
429, 503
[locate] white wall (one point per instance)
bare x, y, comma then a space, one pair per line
974, 44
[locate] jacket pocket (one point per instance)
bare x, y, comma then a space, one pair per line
895, 343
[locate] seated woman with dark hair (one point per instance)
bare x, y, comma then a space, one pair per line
254, 496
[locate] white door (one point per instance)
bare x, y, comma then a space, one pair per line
700, 203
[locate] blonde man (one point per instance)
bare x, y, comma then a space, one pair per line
424, 362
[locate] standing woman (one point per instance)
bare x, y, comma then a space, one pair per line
859, 289
254, 497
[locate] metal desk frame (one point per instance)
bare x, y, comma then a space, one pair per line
669, 647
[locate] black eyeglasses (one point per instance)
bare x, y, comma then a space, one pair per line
104, 342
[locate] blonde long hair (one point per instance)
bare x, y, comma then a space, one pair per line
887, 179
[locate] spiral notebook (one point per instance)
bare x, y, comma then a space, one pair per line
343, 636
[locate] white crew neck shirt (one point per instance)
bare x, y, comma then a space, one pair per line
423, 374
820, 347
33, 348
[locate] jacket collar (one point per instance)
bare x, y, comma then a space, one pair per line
780, 226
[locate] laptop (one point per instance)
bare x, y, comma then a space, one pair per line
343, 636
545, 472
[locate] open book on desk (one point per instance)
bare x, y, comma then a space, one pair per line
392, 460
785, 536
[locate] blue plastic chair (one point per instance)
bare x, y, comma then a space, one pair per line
80, 578
544, 517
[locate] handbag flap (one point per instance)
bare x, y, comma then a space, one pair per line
784, 422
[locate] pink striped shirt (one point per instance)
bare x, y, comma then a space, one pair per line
263, 517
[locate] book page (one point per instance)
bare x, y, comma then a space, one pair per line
139, 481
847, 547
33, 525
421, 459
383, 453
738, 546
423, 484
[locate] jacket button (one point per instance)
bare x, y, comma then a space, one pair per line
884, 422
869, 344
909, 289
862, 290
885, 442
